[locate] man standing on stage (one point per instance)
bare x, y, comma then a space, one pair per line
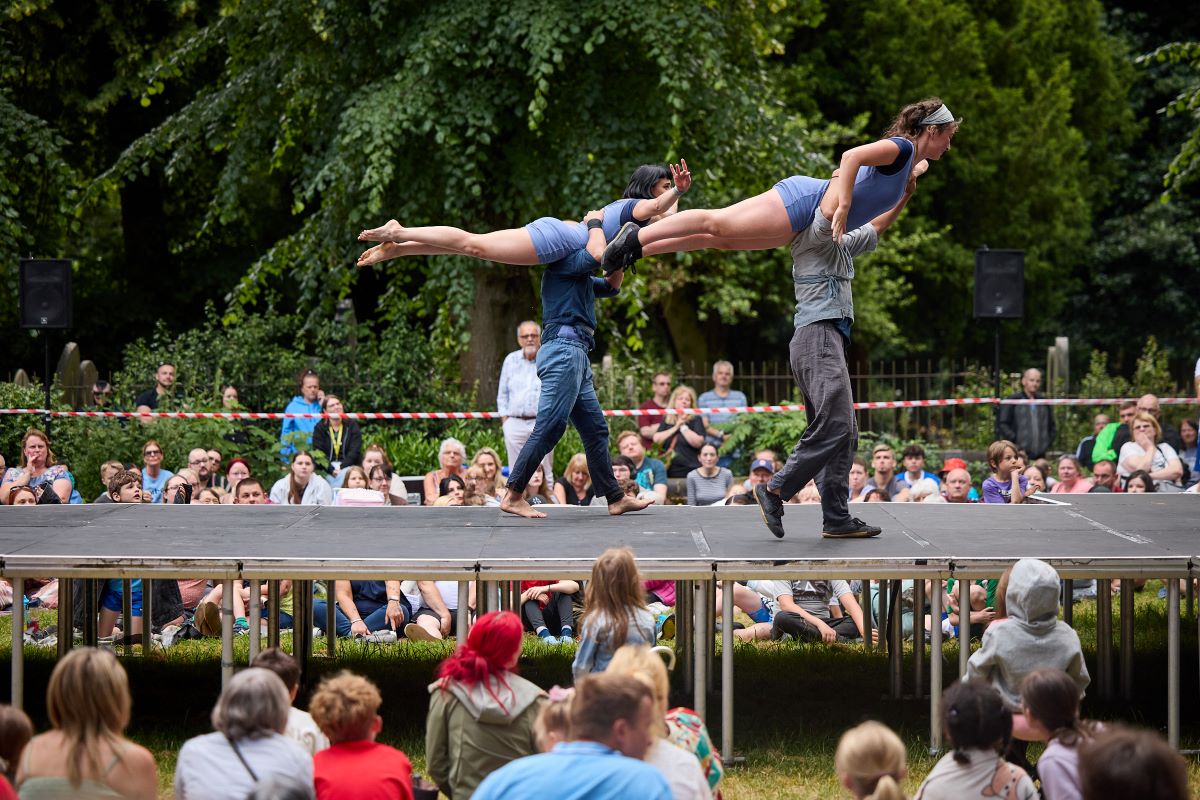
517, 397
822, 270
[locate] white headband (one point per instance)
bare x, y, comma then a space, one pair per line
939, 117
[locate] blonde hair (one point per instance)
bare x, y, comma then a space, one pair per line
872, 757
345, 706
553, 723
487, 451
1142, 416
670, 416
647, 666
613, 594
578, 463
88, 702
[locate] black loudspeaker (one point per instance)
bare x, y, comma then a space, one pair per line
999, 284
45, 293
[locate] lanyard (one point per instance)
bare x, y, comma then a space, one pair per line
335, 436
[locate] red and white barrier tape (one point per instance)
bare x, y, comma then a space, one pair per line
651, 412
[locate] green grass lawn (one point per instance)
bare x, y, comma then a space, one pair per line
792, 700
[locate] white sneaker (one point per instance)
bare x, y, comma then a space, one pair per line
384, 636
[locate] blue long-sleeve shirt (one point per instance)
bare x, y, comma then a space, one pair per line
292, 426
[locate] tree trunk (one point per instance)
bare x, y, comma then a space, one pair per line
504, 298
687, 335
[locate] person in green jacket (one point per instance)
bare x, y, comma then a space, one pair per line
481, 712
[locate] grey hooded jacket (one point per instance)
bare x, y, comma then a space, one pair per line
1030, 638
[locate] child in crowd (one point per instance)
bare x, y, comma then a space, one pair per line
1032, 638
300, 725
1126, 764
553, 723
614, 614
546, 605
979, 726
1050, 700
15, 732
1006, 484
870, 762
346, 706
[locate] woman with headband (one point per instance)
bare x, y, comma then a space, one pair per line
870, 181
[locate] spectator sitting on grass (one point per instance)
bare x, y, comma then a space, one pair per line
300, 725
1050, 704
649, 472
346, 707
85, 754
16, 729
547, 610
614, 614
805, 615
301, 487
248, 744
434, 605
125, 487
364, 607
451, 455
482, 714
1006, 484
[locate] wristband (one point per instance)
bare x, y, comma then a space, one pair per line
678, 191
393, 599
356, 619
595, 223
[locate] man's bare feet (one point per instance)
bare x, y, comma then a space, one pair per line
379, 253
392, 231
627, 503
517, 504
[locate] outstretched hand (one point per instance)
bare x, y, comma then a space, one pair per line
681, 176
839, 222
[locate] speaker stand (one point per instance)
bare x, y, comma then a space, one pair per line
47, 380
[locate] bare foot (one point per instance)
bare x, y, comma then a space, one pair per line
517, 504
389, 232
378, 253
627, 503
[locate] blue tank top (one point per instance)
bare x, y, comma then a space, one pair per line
616, 214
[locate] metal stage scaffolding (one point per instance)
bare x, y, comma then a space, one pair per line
1104, 537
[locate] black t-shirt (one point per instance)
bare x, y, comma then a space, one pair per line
572, 498
147, 398
684, 457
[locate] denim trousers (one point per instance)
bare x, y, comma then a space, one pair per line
375, 618
826, 449
567, 395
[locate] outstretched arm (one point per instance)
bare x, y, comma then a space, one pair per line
648, 209
885, 220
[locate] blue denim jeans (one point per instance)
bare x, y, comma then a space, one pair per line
567, 394
375, 618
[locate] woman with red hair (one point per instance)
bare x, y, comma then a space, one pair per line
481, 712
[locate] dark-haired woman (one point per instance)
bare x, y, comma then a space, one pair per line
339, 439
871, 180
481, 712
653, 191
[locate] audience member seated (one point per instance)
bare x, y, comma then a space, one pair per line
1187, 455
37, 468
297, 432
1148, 404
536, 491
25, 496
924, 490
956, 486
858, 479
885, 478
1036, 479
209, 496
680, 434
435, 604
870, 762
85, 753
649, 472
648, 423
1087, 445
611, 722
164, 380
249, 492
979, 726
679, 766
179, 488
451, 490
1140, 482
375, 455
354, 766
300, 487
16, 729
356, 489
108, 470
479, 485
216, 479
237, 471
482, 714
1125, 764
248, 744
488, 460
574, 487
208, 610
761, 470
547, 610
451, 455
876, 496
340, 440
1006, 484
553, 723
805, 614
615, 612
1050, 705
1070, 477
154, 477
1120, 435
1104, 477
300, 725
381, 481
1147, 452
708, 483
364, 607
913, 457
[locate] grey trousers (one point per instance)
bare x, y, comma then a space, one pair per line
826, 449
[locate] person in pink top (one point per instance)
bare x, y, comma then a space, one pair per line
355, 766
1070, 477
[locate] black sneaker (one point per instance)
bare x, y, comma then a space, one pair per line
771, 507
853, 528
623, 250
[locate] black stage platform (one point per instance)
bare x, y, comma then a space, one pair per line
1083, 536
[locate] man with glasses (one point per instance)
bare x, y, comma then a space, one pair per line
648, 423
164, 382
102, 393
154, 477
198, 463
517, 397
